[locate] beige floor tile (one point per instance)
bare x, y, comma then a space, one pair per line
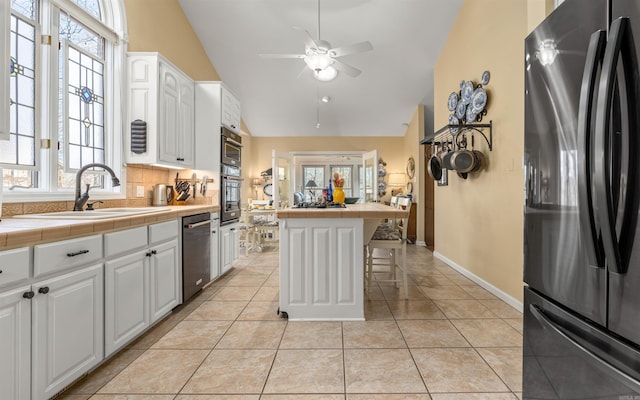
388, 396
501, 309
459, 309
132, 397
154, 334
273, 281
107, 371
374, 293
193, 335
231, 371
478, 292
306, 371
415, 309
312, 335
391, 293
157, 371
519, 395
433, 280
516, 323
247, 280
253, 335
375, 310
460, 279
381, 371
445, 293
372, 334
267, 293
217, 397
488, 332
261, 310
456, 370
323, 396
235, 293
217, 311
67, 396
473, 396
431, 333
507, 363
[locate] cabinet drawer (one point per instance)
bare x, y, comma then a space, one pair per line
14, 265
163, 231
124, 241
65, 254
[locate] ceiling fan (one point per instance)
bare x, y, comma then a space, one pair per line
322, 58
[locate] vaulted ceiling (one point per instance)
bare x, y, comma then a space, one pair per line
280, 97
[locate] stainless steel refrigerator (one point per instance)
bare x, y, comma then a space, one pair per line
582, 194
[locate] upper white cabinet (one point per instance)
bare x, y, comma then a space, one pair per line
164, 98
216, 106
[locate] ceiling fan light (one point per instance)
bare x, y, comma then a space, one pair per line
326, 75
318, 61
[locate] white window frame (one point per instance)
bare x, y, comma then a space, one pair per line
113, 29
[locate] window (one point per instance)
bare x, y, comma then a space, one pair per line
312, 181
66, 50
345, 172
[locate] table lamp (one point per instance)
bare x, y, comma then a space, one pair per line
311, 184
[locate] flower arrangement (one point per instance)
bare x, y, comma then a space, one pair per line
337, 181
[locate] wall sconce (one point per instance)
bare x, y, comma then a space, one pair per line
255, 182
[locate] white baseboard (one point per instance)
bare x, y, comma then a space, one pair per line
421, 243
507, 298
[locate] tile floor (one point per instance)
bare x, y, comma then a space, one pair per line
451, 340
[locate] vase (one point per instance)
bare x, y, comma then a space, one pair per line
338, 195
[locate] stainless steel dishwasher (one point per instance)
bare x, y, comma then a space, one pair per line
196, 253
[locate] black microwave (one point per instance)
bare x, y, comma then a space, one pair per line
231, 148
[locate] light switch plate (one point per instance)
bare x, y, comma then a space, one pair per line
139, 191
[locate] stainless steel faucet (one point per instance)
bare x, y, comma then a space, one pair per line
81, 199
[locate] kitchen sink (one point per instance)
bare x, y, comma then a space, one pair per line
101, 213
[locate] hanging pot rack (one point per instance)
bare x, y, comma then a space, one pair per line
444, 134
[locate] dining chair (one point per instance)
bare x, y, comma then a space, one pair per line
391, 239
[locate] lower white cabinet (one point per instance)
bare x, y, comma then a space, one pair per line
229, 246
67, 329
165, 279
141, 286
215, 246
15, 344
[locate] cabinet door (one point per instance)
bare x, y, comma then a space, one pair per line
186, 133
215, 251
169, 116
165, 279
126, 297
15, 344
226, 253
235, 244
230, 111
67, 330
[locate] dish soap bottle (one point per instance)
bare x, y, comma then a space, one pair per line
330, 193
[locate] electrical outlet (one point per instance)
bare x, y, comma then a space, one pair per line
139, 191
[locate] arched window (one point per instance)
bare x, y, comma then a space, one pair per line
66, 57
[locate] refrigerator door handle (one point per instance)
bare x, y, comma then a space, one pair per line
586, 114
620, 45
592, 358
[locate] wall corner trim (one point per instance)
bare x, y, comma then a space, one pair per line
512, 301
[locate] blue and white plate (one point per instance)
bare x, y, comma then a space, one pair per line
452, 102
471, 116
453, 120
460, 110
485, 77
478, 100
466, 92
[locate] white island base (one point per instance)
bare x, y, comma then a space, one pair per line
321, 268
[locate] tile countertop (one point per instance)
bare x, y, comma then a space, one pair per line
365, 210
19, 232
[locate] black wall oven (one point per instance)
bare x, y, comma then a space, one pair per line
231, 148
231, 183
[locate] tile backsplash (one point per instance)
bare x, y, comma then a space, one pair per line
137, 175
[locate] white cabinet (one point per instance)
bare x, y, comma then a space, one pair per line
141, 285
216, 106
67, 329
215, 246
15, 344
321, 268
164, 97
229, 246
165, 279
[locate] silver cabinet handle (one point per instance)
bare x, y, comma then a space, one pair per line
197, 224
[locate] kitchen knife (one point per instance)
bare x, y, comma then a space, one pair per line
194, 178
203, 185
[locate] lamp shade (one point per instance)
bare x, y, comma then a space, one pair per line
325, 75
255, 182
396, 179
311, 184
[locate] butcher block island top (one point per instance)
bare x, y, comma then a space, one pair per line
322, 259
365, 210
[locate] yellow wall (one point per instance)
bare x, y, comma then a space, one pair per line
412, 148
478, 221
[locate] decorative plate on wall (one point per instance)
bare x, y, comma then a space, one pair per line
452, 102
268, 189
411, 168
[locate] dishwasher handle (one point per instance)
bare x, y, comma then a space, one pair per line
198, 224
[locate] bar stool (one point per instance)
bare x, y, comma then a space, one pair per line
390, 238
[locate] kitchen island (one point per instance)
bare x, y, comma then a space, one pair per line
322, 259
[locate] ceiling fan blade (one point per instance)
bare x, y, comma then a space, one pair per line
281, 55
351, 49
346, 68
309, 41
